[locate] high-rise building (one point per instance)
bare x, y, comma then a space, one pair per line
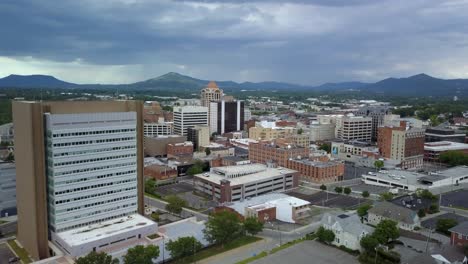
403, 144
355, 128
211, 93
158, 129
199, 135
377, 113
226, 116
79, 166
189, 116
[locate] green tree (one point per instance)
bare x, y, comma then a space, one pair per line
434, 208
97, 258
386, 196
175, 204
150, 185
300, 131
426, 194
207, 151
369, 243
141, 254
222, 227
183, 247
325, 235
362, 210
443, 225
454, 158
323, 187
347, 190
338, 189
386, 231
252, 225
421, 213
378, 164
326, 147
195, 169
365, 194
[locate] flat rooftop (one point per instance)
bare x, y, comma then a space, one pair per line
266, 201
109, 228
318, 164
258, 172
444, 146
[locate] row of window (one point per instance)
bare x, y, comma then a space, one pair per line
94, 160
91, 151
94, 186
96, 203
95, 168
95, 221
90, 142
58, 183
95, 195
93, 132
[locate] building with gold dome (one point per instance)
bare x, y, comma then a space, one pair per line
211, 93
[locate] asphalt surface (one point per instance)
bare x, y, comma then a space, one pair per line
5, 253
176, 188
432, 222
332, 200
352, 172
309, 252
455, 199
161, 205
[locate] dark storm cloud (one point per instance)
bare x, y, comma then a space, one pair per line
297, 41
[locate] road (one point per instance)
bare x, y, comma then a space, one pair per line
185, 212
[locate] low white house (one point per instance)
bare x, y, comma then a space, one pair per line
348, 229
406, 218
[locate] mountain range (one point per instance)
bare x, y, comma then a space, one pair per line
417, 85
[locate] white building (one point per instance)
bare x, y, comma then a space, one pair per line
348, 229
158, 129
6, 132
247, 114
7, 189
355, 128
92, 172
189, 116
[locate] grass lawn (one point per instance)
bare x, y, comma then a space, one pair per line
3, 222
21, 252
218, 249
153, 236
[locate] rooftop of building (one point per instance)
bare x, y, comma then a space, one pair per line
182, 144
270, 200
394, 212
350, 223
444, 146
109, 228
318, 164
242, 174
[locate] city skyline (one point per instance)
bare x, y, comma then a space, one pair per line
304, 42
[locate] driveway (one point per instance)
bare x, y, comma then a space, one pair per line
309, 252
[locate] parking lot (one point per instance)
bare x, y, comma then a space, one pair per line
5, 253
352, 172
332, 200
432, 222
457, 199
173, 189
309, 252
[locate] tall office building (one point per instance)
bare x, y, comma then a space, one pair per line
79, 167
211, 93
355, 128
226, 116
403, 144
189, 116
377, 113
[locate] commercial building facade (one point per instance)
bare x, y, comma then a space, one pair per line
157, 146
433, 150
377, 113
81, 164
355, 128
226, 116
158, 129
199, 135
189, 116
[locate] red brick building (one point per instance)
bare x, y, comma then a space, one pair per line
265, 151
317, 171
177, 149
459, 235
160, 172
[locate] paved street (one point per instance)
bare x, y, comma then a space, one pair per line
309, 252
352, 172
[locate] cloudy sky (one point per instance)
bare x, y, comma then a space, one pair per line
298, 41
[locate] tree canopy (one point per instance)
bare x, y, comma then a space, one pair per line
386, 231
150, 185
141, 254
338, 189
362, 210
325, 235
454, 158
252, 225
347, 190
443, 225
175, 204
222, 227
183, 247
97, 258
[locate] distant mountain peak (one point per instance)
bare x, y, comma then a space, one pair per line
421, 76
